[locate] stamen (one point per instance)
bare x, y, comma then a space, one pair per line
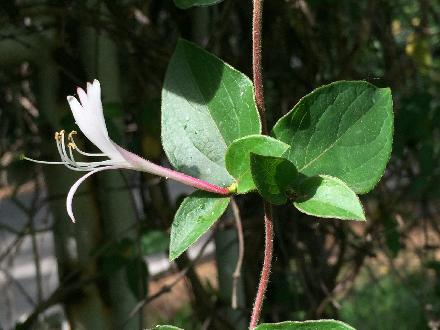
71, 134
74, 146
40, 161
67, 158
85, 166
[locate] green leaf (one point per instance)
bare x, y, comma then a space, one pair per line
328, 197
306, 325
238, 157
273, 176
344, 130
206, 105
165, 327
195, 216
184, 4
154, 241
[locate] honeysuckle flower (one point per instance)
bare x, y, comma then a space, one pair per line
88, 113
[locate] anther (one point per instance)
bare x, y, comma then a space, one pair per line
71, 134
57, 136
71, 145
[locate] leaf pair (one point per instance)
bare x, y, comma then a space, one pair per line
257, 162
206, 105
323, 196
333, 144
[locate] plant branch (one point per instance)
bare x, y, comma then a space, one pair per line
265, 272
257, 25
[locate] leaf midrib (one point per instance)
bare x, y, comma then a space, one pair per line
337, 140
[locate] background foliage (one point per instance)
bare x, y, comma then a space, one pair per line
388, 267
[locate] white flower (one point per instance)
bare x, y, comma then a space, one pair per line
89, 117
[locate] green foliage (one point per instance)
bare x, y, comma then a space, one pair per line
195, 216
392, 236
154, 241
328, 197
238, 157
123, 256
137, 275
306, 325
273, 177
393, 300
206, 105
339, 133
343, 129
185, 4
165, 327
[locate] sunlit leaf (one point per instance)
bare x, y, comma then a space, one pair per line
344, 130
206, 105
328, 197
306, 325
195, 216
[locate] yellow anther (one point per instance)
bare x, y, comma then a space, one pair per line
71, 145
62, 132
71, 134
57, 136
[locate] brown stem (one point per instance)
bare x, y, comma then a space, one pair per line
265, 272
257, 24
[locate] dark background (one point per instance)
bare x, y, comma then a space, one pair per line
383, 274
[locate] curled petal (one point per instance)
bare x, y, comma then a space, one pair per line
75, 186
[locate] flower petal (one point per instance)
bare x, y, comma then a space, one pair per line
94, 95
92, 124
75, 186
83, 97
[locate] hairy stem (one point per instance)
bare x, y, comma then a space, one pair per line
259, 97
257, 25
265, 272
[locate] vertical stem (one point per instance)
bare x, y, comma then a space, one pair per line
257, 25
259, 98
265, 272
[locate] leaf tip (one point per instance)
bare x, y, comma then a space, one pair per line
173, 255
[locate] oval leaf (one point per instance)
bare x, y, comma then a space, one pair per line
344, 130
306, 325
273, 176
238, 157
184, 4
206, 104
165, 327
195, 216
328, 197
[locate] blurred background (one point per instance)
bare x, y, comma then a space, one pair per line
110, 269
